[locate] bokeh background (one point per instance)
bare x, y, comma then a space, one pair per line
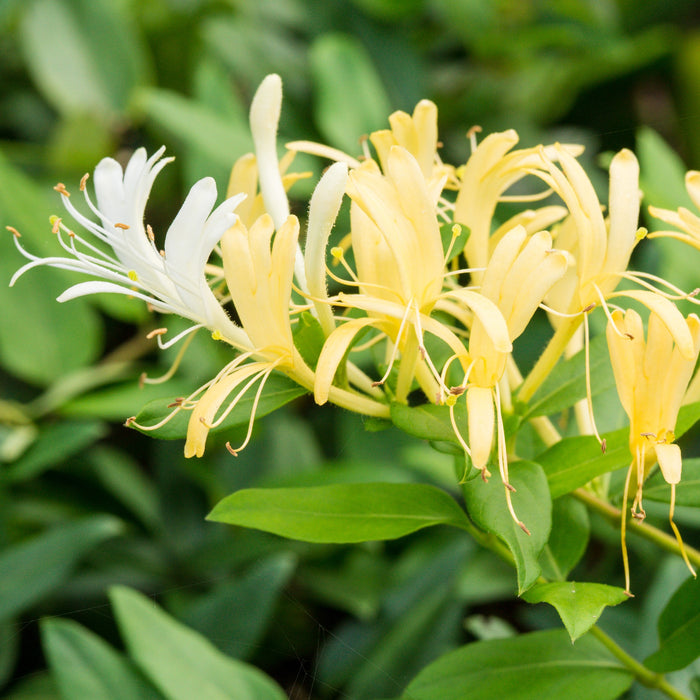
86, 504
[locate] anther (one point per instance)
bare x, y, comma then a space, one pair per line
231, 450
524, 529
590, 307
56, 224
177, 402
83, 181
510, 487
155, 332
14, 231
129, 421
603, 445
61, 189
149, 231
123, 227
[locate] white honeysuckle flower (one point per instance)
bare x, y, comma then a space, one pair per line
172, 280
265, 112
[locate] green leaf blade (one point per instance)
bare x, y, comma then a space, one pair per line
486, 505
529, 667
341, 513
579, 604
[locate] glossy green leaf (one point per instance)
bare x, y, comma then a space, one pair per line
579, 604
341, 513
279, 390
179, 661
568, 539
350, 100
32, 569
679, 630
40, 340
486, 505
529, 667
85, 666
566, 384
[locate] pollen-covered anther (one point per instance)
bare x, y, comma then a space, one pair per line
523, 527
231, 450
589, 308
603, 445
149, 231
61, 189
156, 332
694, 293
510, 487
179, 401
83, 181
123, 227
457, 390
55, 224
14, 231
129, 421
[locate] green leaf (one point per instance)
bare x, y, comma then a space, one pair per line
179, 661
350, 98
30, 570
662, 172
95, 65
279, 390
529, 667
341, 513
85, 666
566, 384
568, 539
687, 491
579, 604
236, 614
55, 443
428, 422
486, 505
679, 630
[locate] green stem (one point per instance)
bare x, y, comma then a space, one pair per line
548, 358
641, 672
648, 532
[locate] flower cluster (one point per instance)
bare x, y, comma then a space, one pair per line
424, 297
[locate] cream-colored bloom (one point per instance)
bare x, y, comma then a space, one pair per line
521, 271
651, 378
682, 218
123, 252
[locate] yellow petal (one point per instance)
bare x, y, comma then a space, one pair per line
670, 462
481, 419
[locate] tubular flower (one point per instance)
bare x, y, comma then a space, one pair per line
521, 271
651, 379
171, 280
489, 172
683, 218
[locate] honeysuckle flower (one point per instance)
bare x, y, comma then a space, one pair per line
521, 271
122, 252
259, 272
682, 218
651, 379
492, 168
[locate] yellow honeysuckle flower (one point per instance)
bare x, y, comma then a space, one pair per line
651, 379
491, 169
521, 271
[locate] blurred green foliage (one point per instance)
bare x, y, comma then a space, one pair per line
88, 507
